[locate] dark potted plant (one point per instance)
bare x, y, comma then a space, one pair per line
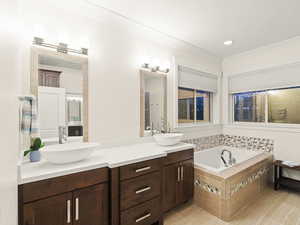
34, 153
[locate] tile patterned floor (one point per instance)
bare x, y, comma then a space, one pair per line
274, 208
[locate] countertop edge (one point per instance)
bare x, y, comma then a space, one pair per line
112, 165
108, 164
62, 173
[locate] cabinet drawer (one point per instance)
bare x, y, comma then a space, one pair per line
144, 214
140, 168
179, 156
140, 189
53, 186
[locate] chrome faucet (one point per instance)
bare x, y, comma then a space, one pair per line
231, 160
62, 134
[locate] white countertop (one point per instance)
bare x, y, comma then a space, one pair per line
107, 157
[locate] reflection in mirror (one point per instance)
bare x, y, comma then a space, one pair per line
153, 103
61, 102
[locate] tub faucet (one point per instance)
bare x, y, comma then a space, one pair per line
62, 134
231, 160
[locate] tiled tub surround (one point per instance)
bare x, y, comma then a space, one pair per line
241, 142
224, 193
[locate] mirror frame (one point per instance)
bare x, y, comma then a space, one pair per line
83, 60
142, 97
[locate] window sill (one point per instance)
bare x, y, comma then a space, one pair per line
197, 125
292, 128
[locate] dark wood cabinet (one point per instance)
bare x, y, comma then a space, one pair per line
143, 214
187, 184
178, 180
50, 211
68, 200
90, 205
137, 193
170, 186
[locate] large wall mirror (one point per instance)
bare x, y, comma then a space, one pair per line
60, 83
153, 103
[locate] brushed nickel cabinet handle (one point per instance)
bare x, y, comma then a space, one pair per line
77, 209
69, 211
143, 190
143, 218
178, 174
143, 169
181, 173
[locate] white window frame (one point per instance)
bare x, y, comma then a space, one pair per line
264, 124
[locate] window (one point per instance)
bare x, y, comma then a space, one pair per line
249, 107
270, 106
193, 106
284, 106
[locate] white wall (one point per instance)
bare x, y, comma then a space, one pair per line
117, 48
286, 52
9, 81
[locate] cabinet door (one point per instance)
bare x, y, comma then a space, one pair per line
187, 180
91, 205
171, 180
55, 210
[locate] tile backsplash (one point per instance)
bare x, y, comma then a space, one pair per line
249, 143
207, 142
243, 142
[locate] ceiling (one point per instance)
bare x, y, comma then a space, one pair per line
208, 23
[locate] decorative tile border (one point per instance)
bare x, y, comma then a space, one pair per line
242, 142
250, 179
249, 143
207, 142
207, 187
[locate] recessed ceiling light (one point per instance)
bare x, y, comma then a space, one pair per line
229, 42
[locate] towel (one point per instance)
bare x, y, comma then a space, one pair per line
291, 163
74, 109
29, 122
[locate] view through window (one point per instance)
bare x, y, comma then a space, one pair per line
193, 106
280, 106
249, 107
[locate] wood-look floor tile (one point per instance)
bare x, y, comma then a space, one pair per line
273, 208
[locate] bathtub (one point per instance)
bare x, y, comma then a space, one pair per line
211, 159
223, 191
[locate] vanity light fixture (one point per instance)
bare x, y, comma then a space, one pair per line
61, 47
155, 69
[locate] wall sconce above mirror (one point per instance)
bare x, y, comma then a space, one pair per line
61, 47
155, 68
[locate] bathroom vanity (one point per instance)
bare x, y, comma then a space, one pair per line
80, 198
124, 186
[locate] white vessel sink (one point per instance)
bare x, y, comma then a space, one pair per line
69, 152
168, 138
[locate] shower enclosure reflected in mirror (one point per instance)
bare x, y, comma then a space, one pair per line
153, 103
60, 83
